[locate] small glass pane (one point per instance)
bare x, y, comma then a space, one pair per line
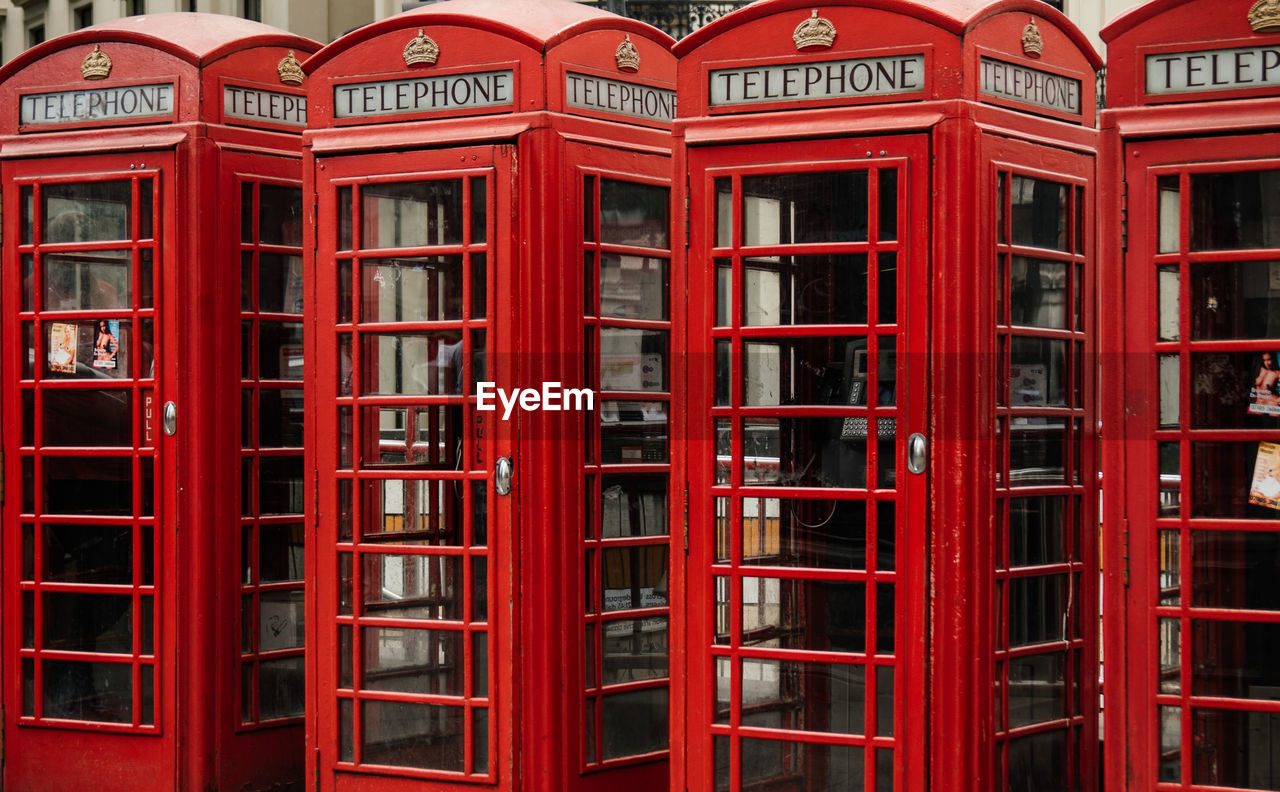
804, 696
1169, 208
412, 511
398, 660
480, 740
479, 513
634, 723
1036, 530
279, 283
633, 360
884, 701
246, 211
412, 437
784, 209
280, 350
1037, 609
99, 692
1039, 761
808, 766
88, 485
1037, 372
803, 452
281, 689
820, 534
1170, 744
1036, 689
26, 200
633, 287
888, 204
1037, 452
633, 432
1170, 656
633, 649
887, 289
1237, 659
345, 215
1235, 390
28, 279
28, 687
724, 213
479, 664
417, 289
95, 281
1234, 211
634, 577
811, 371
724, 293
75, 622
280, 418
1234, 748
773, 616
634, 214
86, 211
346, 731
414, 214
280, 485
87, 553
404, 734
280, 553
479, 285
280, 620
479, 588
633, 506
1235, 480
1038, 292
1039, 213
1170, 582
804, 290
1170, 299
724, 371
417, 364
94, 349
87, 418
1170, 478
1235, 300
479, 210
413, 587
280, 216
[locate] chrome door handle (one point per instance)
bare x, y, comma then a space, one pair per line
502, 472
170, 418
917, 453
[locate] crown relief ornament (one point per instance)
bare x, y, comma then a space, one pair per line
421, 50
290, 70
1264, 16
1032, 41
96, 65
626, 56
814, 33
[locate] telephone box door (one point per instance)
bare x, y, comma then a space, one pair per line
807, 510
413, 537
89, 629
1203, 478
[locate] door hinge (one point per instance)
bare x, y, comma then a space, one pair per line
315, 227
317, 786
315, 499
686, 214
1124, 549
2, 477
1124, 216
686, 518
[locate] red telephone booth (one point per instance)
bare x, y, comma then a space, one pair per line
891, 577
151, 380
493, 183
1192, 150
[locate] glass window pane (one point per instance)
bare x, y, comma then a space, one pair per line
888, 204
814, 371
634, 723
412, 661
820, 534
280, 620
1039, 213
413, 587
634, 214
633, 360
279, 283
1235, 659
417, 363
1037, 372
1234, 748
87, 553
1039, 762
280, 485
88, 485
479, 210
101, 692
1235, 480
1235, 569
281, 688
95, 281
804, 696
633, 506
815, 615
86, 212
92, 349
418, 289
633, 287
93, 418
280, 552
411, 214
1037, 687
633, 649
1170, 744
634, 577
808, 766
1036, 527
1233, 211
803, 452
1037, 452
279, 215
796, 208
402, 734
1038, 292
799, 290
1169, 200
724, 213
75, 622
633, 432
412, 437
1235, 300
408, 511
280, 418
280, 350
1037, 609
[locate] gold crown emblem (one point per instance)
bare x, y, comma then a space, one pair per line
814, 32
1264, 16
96, 65
626, 56
421, 50
1032, 41
290, 70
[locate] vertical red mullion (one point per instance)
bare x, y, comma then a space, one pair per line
1184, 469
37, 437
357, 482
871, 683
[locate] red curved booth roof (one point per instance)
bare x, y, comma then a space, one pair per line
954, 16
197, 38
539, 24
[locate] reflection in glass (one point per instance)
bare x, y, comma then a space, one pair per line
1170, 568
279, 418
1170, 744
633, 650
413, 214
280, 216
814, 371
398, 660
803, 452
1039, 213
634, 214
413, 587
1234, 211
799, 290
100, 692
95, 281
281, 688
416, 289
819, 534
816, 615
413, 363
1170, 460
1170, 655
412, 437
795, 208
85, 211
405, 734
280, 350
809, 766
633, 287
1037, 686
724, 213
1037, 372
724, 293
633, 360
1037, 452
1040, 761
634, 723
1170, 391
412, 511
279, 283
1037, 609
1235, 570
1238, 299
1038, 292
1036, 530
807, 696
75, 622
1235, 659
87, 418
1233, 748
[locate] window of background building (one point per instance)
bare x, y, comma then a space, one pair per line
253, 10
189, 5
82, 16
137, 7
1058, 4
35, 34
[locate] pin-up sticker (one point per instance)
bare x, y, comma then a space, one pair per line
1264, 396
63, 340
106, 343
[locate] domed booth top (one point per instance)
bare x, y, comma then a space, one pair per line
159, 68
787, 54
476, 57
